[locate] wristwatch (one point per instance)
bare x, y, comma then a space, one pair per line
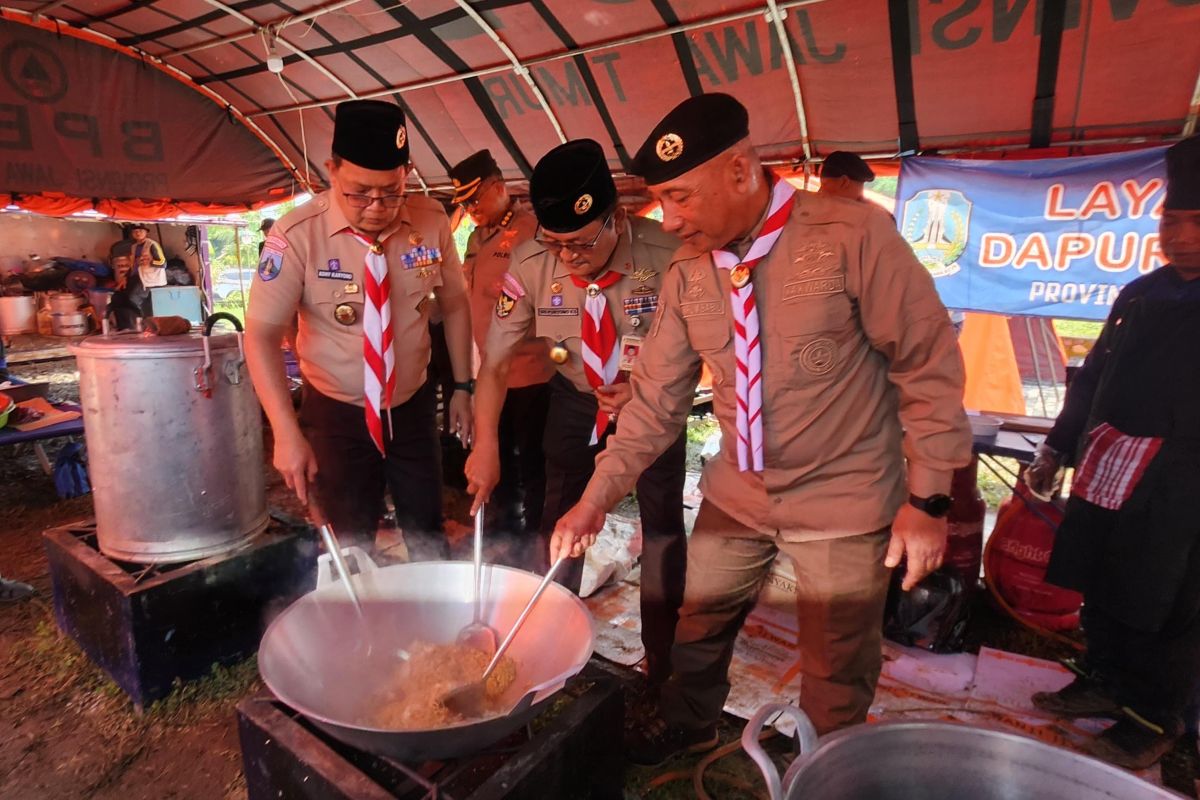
468, 387
936, 505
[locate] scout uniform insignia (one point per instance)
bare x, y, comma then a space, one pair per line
739, 276
415, 238
669, 146
345, 314
641, 276
631, 348
271, 261
559, 354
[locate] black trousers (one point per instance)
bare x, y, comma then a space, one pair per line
514, 514
352, 476
570, 462
1155, 674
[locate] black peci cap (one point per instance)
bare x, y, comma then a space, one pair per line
1183, 175
690, 134
840, 163
571, 186
370, 134
470, 173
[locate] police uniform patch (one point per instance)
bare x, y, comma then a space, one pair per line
270, 264
505, 305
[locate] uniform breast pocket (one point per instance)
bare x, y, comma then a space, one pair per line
556, 328
710, 337
814, 330
420, 284
333, 303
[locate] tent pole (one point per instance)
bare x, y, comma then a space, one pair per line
776, 16
1189, 126
1037, 365
518, 67
571, 53
233, 12
237, 255
278, 25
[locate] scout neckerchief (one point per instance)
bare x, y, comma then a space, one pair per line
379, 364
746, 343
599, 334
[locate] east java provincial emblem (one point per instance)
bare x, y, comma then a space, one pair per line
936, 225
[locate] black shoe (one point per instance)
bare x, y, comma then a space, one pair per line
654, 741
1132, 745
1083, 697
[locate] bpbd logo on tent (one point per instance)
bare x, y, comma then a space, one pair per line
936, 223
1052, 237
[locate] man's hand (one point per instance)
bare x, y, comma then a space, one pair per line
576, 531
483, 473
920, 537
295, 460
1040, 474
612, 397
462, 420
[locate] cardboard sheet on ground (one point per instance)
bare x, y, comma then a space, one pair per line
991, 689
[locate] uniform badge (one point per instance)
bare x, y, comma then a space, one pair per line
345, 314
559, 354
593, 289
631, 348
352, 288
669, 147
505, 305
640, 304
635, 321
415, 238
270, 264
421, 257
333, 269
819, 356
583, 204
739, 276
556, 288
401, 137
556, 300
377, 248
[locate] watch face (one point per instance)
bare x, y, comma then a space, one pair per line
938, 505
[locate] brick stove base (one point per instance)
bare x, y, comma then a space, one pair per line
572, 752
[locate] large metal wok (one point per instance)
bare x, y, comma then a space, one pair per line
322, 659
935, 761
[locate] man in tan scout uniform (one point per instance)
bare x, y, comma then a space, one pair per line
589, 286
361, 264
820, 304
515, 510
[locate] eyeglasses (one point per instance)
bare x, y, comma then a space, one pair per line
365, 200
555, 246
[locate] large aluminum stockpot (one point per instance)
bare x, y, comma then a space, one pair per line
174, 448
324, 661
935, 761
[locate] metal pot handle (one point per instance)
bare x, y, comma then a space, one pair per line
354, 555
806, 741
233, 369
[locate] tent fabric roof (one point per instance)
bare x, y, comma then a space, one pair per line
517, 76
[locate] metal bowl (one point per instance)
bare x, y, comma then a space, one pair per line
324, 661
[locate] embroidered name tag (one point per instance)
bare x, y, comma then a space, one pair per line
334, 273
814, 286
558, 312
421, 256
701, 309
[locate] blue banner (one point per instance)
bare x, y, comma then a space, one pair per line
1055, 237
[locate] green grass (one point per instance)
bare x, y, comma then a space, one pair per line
1078, 328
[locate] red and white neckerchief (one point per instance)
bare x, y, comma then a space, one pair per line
379, 361
746, 343
599, 334
1112, 466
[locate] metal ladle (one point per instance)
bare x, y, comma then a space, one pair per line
478, 634
333, 548
468, 699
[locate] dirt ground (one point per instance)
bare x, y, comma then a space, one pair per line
68, 733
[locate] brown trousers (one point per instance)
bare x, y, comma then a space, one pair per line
841, 587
